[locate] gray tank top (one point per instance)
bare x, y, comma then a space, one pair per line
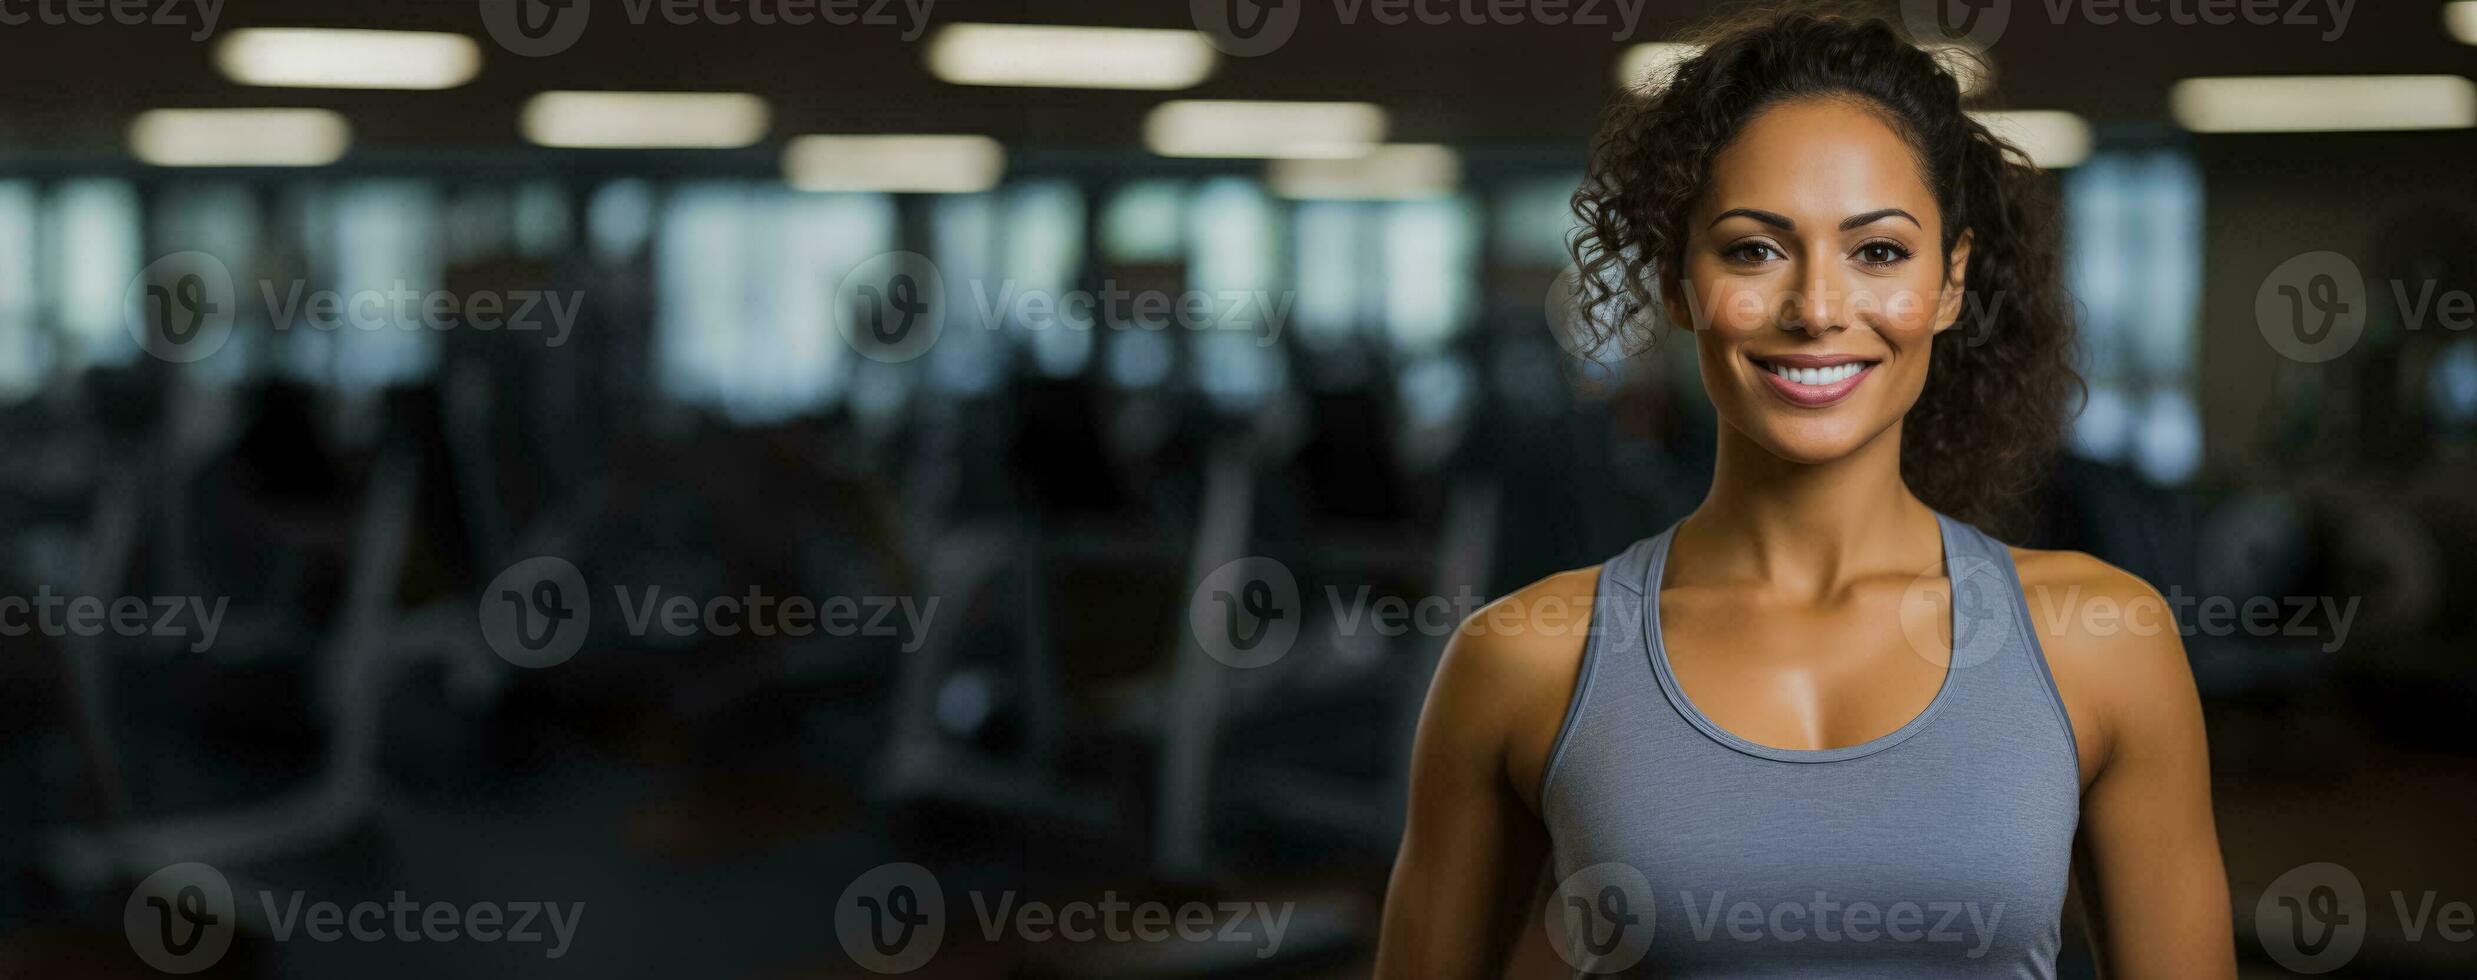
1938, 850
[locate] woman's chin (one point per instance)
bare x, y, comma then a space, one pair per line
1808, 443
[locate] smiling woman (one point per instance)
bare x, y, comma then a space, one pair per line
1977, 432
1825, 704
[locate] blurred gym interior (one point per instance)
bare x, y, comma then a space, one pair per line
1018, 516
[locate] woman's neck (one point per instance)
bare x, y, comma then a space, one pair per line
1809, 528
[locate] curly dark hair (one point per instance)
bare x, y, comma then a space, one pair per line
1998, 385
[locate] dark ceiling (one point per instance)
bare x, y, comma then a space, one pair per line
73, 88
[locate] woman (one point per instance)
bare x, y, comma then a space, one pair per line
1823, 726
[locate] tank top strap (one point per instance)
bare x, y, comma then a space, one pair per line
1989, 621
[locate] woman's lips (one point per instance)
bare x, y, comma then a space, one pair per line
1819, 395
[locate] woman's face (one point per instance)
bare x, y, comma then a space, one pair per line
1814, 279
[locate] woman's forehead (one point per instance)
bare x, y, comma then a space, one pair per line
1823, 157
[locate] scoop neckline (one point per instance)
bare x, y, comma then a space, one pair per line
1659, 655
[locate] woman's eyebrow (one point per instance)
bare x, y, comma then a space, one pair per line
1783, 223
1777, 221
1860, 220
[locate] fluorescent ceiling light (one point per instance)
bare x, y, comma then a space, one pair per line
300, 57
1210, 128
2324, 104
2460, 18
1040, 56
2054, 140
239, 137
646, 120
1646, 67
1395, 172
898, 164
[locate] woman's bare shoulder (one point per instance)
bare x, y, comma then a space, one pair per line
2113, 644
1509, 670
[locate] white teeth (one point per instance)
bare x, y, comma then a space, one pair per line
1818, 376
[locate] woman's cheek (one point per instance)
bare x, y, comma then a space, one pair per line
1737, 307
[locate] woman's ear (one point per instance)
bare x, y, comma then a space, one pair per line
1956, 285
1674, 302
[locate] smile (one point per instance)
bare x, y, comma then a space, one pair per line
1814, 380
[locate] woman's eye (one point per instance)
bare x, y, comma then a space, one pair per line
1752, 252
1881, 253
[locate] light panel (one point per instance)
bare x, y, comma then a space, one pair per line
646, 120
894, 164
1394, 172
302, 57
1044, 56
2054, 139
239, 137
1280, 130
2324, 104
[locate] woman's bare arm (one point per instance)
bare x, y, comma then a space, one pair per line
2148, 854
1474, 846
